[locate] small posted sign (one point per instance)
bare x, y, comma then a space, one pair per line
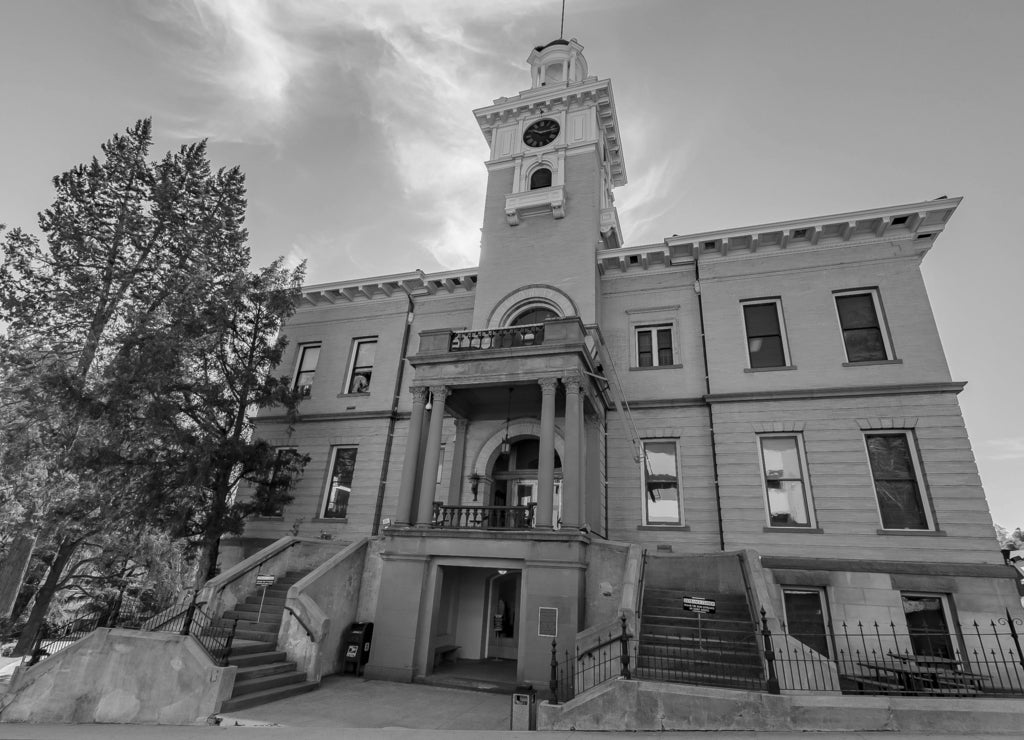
262, 581
547, 622
699, 604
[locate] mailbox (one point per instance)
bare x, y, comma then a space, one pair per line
357, 646
524, 708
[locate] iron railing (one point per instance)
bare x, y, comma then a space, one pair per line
510, 336
483, 517
214, 635
978, 660
576, 671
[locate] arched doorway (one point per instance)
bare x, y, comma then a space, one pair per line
515, 477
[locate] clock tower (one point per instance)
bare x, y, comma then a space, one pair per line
555, 159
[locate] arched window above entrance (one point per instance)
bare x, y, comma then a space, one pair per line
541, 178
534, 315
525, 456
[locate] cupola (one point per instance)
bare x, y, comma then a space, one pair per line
557, 63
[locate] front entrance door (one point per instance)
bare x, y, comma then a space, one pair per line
503, 615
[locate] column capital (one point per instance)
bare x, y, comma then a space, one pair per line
419, 394
573, 382
440, 392
548, 385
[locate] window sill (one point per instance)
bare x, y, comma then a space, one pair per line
268, 517
796, 530
663, 527
354, 395
656, 367
329, 520
768, 369
872, 362
913, 532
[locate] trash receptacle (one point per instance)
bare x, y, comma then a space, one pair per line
357, 646
524, 708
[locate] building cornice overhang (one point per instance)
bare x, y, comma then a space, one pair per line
539, 99
917, 223
416, 283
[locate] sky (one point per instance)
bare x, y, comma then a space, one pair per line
352, 120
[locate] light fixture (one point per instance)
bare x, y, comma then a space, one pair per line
502, 572
474, 484
506, 446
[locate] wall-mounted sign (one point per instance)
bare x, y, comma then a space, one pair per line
699, 605
547, 622
262, 581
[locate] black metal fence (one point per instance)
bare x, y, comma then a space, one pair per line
977, 660
185, 616
575, 671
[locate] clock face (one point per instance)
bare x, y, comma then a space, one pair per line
541, 133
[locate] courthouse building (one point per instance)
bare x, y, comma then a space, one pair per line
505, 433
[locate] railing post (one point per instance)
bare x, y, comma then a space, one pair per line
230, 641
624, 649
190, 612
769, 654
553, 685
1016, 638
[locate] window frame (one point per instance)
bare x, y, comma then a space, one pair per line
883, 324
812, 521
300, 357
948, 614
353, 368
654, 329
325, 501
919, 479
826, 618
783, 334
680, 521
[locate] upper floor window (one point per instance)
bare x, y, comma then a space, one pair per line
654, 346
309, 355
860, 320
766, 335
339, 483
361, 370
541, 178
897, 478
662, 503
785, 481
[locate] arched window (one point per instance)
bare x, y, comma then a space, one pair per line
535, 315
540, 179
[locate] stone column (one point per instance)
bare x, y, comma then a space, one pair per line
546, 464
403, 516
458, 463
572, 486
431, 457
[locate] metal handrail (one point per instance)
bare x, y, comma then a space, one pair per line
301, 623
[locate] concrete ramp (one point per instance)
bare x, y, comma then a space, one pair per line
621, 705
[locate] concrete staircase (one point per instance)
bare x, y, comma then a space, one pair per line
264, 672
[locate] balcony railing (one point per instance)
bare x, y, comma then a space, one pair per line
483, 517
510, 336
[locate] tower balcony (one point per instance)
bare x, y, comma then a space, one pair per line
531, 202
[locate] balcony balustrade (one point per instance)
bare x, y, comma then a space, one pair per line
483, 517
510, 336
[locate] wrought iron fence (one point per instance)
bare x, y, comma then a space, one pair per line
214, 635
511, 336
977, 660
483, 517
575, 671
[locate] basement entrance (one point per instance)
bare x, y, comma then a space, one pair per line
475, 630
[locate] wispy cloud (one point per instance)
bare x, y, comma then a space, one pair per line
1008, 448
260, 56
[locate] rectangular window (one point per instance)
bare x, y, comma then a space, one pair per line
806, 617
785, 481
928, 625
859, 319
339, 484
896, 475
766, 338
661, 483
654, 346
361, 371
309, 355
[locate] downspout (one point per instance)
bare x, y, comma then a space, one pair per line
410, 314
707, 386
